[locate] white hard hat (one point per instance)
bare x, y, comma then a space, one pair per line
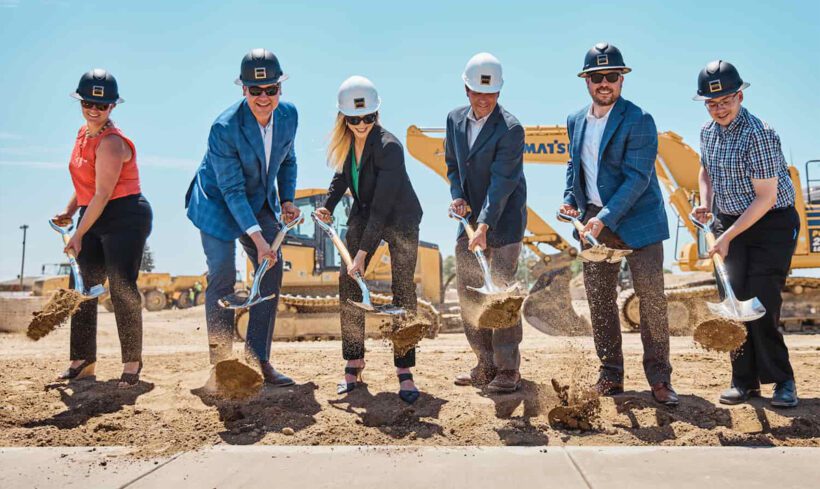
358, 96
483, 74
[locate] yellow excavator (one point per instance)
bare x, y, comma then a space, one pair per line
309, 301
677, 166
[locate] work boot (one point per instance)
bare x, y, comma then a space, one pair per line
737, 395
505, 381
273, 377
785, 394
606, 387
480, 375
663, 393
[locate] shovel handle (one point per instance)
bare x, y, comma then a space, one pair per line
710, 242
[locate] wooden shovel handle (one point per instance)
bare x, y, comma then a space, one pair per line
337, 241
710, 242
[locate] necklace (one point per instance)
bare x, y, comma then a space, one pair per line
105, 126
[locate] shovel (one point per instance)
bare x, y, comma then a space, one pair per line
236, 301
365, 304
730, 308
489, 288
597, 252
87, 294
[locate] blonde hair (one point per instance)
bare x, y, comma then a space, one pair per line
341, 137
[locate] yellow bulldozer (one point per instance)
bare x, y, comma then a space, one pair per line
309, 301
158, 290
677, 166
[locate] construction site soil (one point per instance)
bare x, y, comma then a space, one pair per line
169, 411
56, 311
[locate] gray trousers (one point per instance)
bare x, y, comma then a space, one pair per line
601, 281
498, 347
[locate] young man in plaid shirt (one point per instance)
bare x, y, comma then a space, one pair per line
745, 179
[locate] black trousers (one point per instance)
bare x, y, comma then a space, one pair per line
112, 249
403, 244
758, 263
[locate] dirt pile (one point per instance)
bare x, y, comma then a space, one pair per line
719, 334
500, 311
579, 409
235, 380
405, 334
57, 310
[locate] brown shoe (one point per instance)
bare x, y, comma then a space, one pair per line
605, 387
479, 375
505, 381
663, 393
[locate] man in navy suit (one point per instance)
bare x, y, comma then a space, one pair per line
243, 188
611, 182
484, 151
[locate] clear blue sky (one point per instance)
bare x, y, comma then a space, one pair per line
176, 63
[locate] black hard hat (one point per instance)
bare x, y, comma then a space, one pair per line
260, 67
99, 86
603, 56
717, 79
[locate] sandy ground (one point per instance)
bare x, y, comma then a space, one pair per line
168, 412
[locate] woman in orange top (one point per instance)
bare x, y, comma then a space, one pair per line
115, 221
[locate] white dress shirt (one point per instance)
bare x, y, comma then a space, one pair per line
474, 127
267, 140
589, 155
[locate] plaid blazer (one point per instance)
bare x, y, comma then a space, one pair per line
633, 204
233, 181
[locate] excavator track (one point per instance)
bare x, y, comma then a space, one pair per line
304, 317
800, 312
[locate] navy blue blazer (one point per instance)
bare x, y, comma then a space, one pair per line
490, 176
233, 181
633, 203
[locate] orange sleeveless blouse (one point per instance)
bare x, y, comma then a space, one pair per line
84, 172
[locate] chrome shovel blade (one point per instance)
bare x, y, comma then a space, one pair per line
95, 292
242, 300
743, 311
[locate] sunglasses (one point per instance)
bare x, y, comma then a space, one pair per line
599, 77
89, 105
356, 120
270, 91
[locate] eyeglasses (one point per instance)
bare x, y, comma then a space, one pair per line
89, 105
356, 120
597, 78
270, 91
726, 102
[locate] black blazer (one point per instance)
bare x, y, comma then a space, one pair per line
386, 197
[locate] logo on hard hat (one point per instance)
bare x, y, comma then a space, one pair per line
485, 79
97, 91
603, 59
715, 86
260, 73
358, 103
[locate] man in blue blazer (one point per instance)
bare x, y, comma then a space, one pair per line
243, 188
611, 182
484, 150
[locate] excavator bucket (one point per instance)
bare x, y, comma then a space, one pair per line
548, 307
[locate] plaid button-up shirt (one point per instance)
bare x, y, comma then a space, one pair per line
746, 149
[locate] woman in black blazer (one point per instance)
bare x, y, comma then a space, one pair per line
369, 161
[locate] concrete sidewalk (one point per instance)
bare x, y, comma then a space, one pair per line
412, 467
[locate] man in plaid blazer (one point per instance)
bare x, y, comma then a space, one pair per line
243, 188
611, 182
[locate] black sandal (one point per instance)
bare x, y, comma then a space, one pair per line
408, 396
131, 379
73, 372
345, 387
